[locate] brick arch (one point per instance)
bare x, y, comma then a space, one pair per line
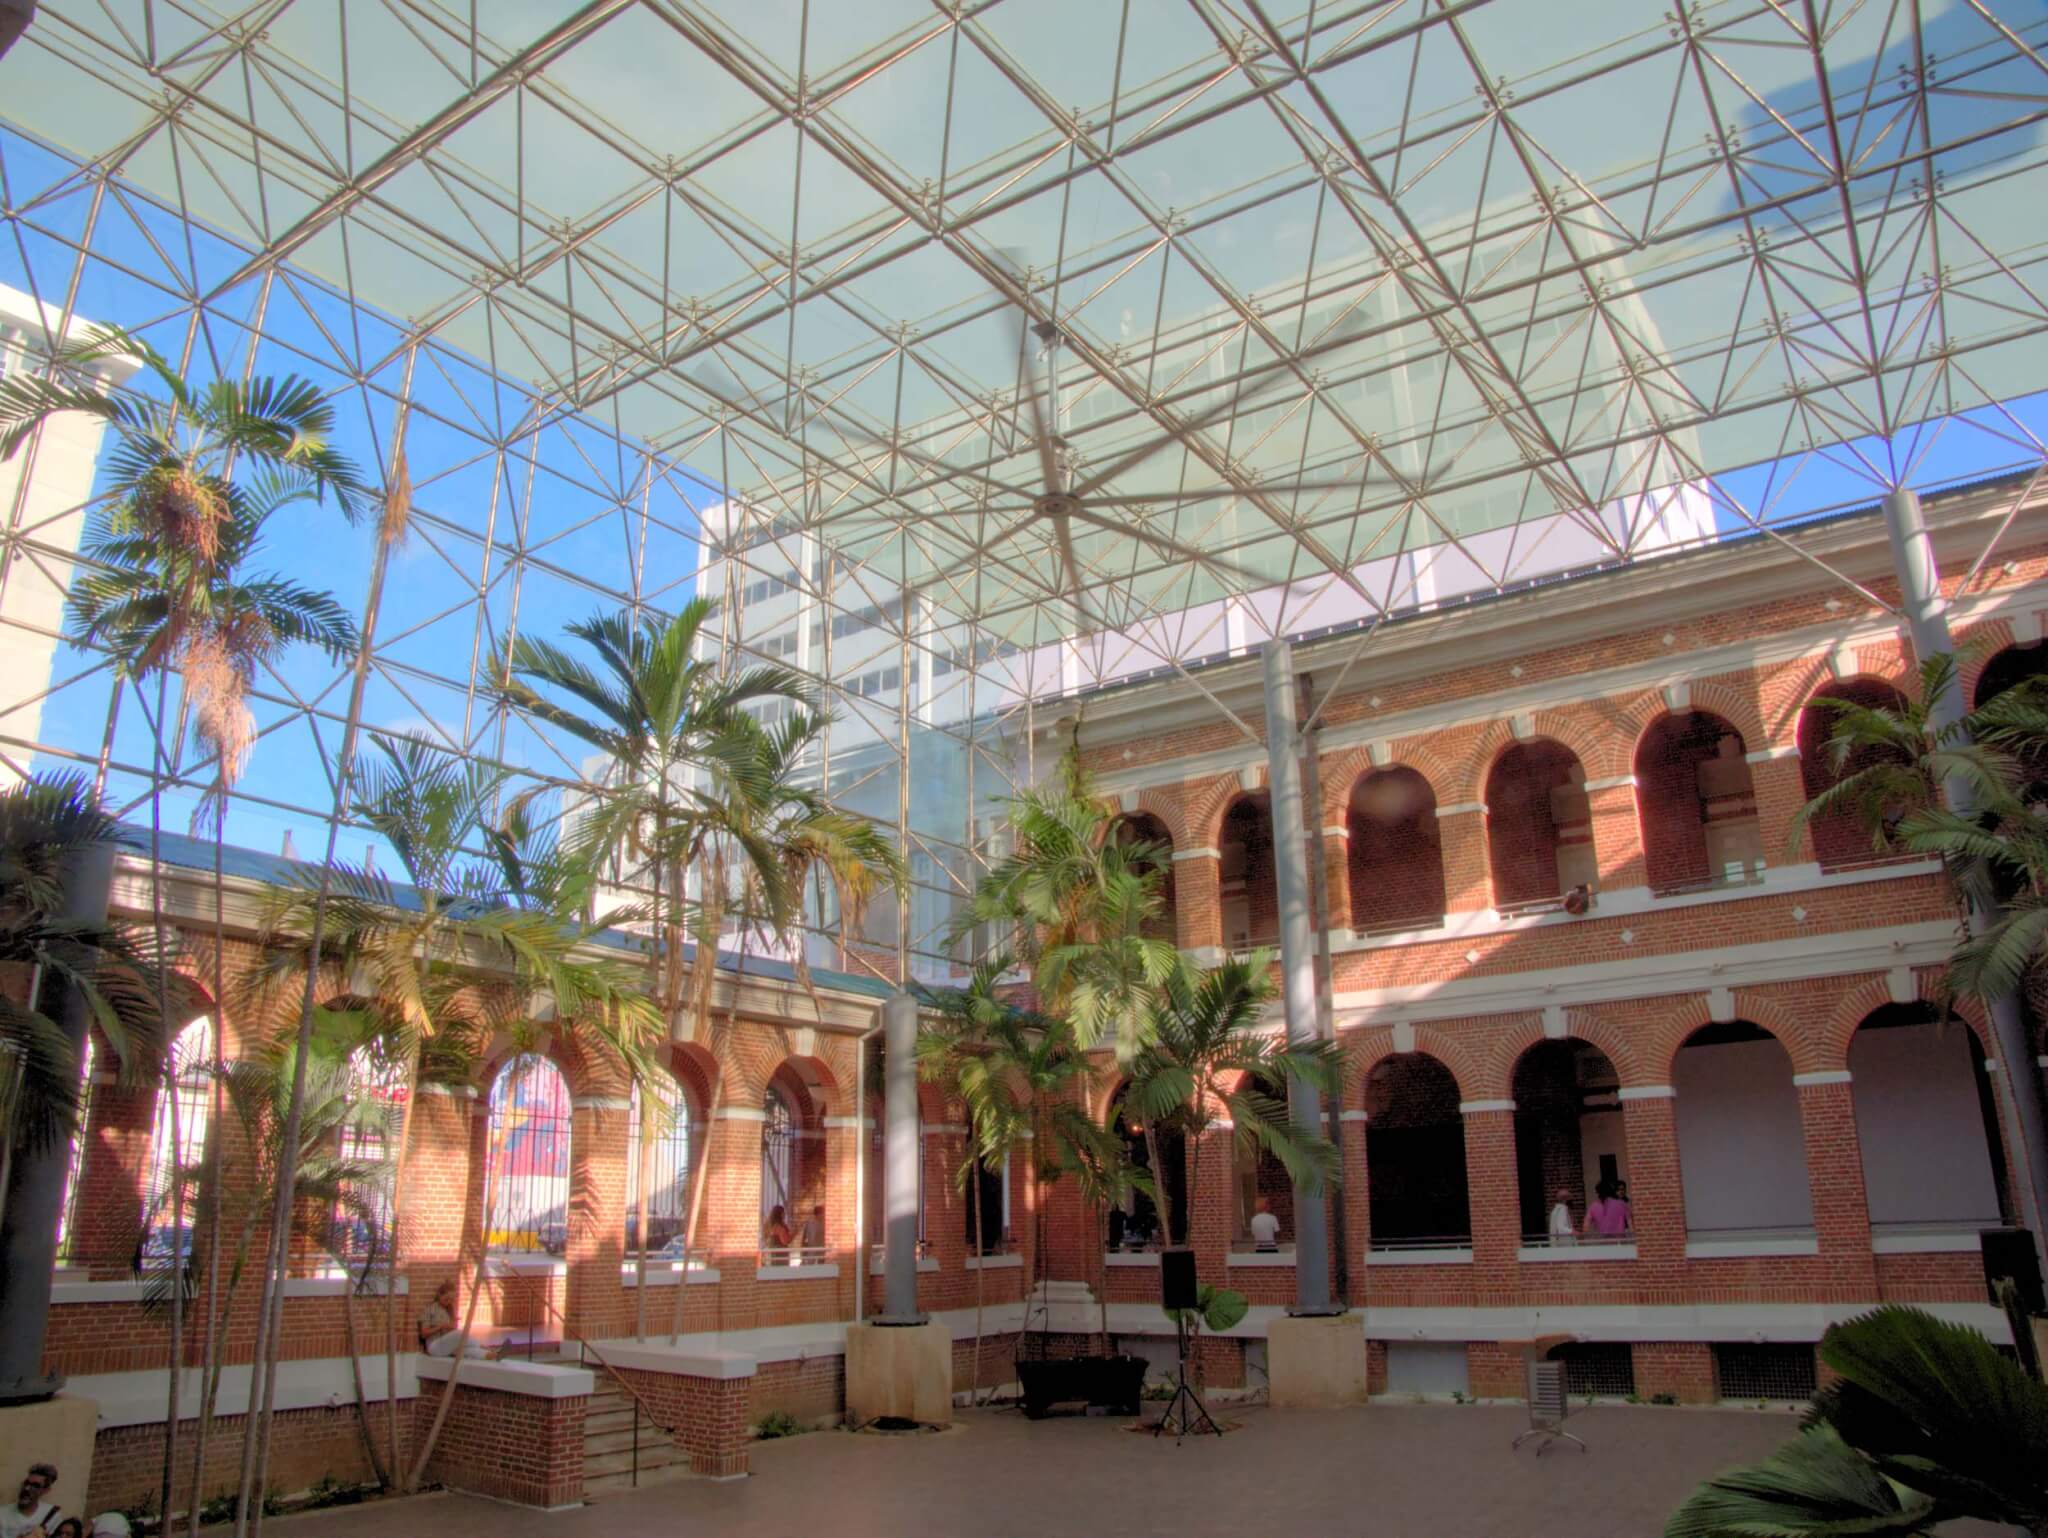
1691, 1013
1498, 737
809, 1075
1343, 774
1580, 1025
1850, 1011
572, 1064
1365, 1052
1717, 700
1975, 647
1207, 801
1162, 802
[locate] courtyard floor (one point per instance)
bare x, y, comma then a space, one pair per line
1385, 1469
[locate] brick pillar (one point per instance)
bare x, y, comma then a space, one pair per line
600, 1143
1462, 829
1656, 1197
437, 1182
1617, 833
842, 1217
1780, 793
1337, 876
1682, 1369
731, 1218
1491, 1190
110, 1174
1834, 1172
1210, 1158
1357, 1199
1197, 907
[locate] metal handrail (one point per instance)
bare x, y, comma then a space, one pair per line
585, 1350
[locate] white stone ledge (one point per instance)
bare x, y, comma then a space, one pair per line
1276, 1258
1931, 1240
878, 1265
1449, 1255
1540, 1253
1135, 1259
667, 1274
995, 1262
1738, 1245
823, 1271
526, 1265
683, 1361
536, 1380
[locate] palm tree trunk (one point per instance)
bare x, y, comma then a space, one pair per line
355, 1370
404, 1140
211, 1190
1162, 1203
270, 1319
476, 1288
700, 1176
980, 1279
178, 1258
640, 1200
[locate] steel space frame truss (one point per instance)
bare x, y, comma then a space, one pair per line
1416, 393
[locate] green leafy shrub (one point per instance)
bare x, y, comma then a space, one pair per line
777, 1423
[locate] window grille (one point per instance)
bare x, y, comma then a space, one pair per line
191, 1082
1764, 1371
526, 1169
668, 1159
779, 1137
362, 1218
1606, 1368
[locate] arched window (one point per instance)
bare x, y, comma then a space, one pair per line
1135, 1224
1840, 841
526, 1162
988, 1195
669, 1133
1396, 853
781, 1152
1247, 894
1261, 1179
1143, 829
186, 1099
67, 1211
1697, 805
1568, 1133
1741, 1147
369, 1140
1539, 826
1415, 1156
1927, 1122
2010, 667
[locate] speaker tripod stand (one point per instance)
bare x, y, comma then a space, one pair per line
1185, 1412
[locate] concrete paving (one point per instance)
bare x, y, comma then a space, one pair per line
1381, 1470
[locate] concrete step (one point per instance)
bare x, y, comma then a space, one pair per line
610, 1418
605, 1443
606, 1485
618, 1466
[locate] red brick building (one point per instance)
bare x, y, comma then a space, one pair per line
1737, 1021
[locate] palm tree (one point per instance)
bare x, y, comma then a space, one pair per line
49, 825
1205, 1060
1079, 906
662, 714
1024, 1081
327, 1176
192, 479
1930, 779
418, 960
1928, 1424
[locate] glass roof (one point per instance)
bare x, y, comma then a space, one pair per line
1080, 315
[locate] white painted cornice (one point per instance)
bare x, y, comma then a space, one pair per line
1685, 972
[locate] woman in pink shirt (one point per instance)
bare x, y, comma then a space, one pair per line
1607, 1214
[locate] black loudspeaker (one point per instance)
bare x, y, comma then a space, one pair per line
1177, 1285
2009, 1252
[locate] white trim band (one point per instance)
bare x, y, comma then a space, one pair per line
599, 1103
738, 1113
1824, 1076
1473, 1107
1612, 782
1196, 854
1459, 808
1646, 1092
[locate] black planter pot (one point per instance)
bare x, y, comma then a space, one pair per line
1114, 1383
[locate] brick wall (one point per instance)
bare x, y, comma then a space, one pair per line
514, 1447
306, 1446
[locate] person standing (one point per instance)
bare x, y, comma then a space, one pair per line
1562, 1229
1607, 1215
33, 1512
1265, 1227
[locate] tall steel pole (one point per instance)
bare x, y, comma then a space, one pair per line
1326, 1003
1297, 964
2019, 1087
900, 1156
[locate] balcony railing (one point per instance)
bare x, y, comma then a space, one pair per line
1729, 878
794, 1255
1401, 926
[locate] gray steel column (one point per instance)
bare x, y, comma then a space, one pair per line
2019, 1087
899, 1159
1297, 963
28, 1231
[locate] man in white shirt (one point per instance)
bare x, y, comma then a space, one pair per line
32, 1511
1265, 1227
